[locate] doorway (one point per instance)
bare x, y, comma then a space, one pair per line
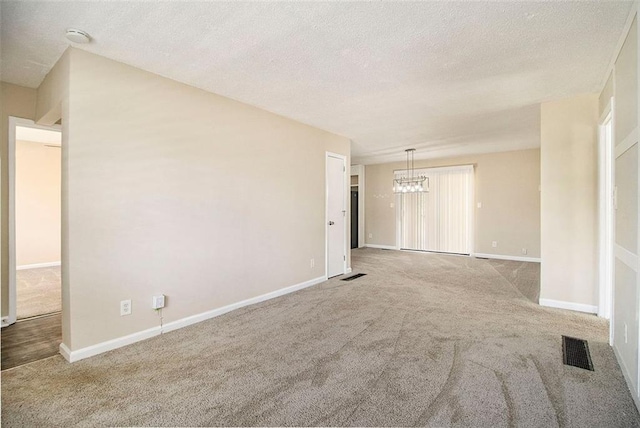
336, 215
32, 330
354, 218
37, 210
357, 209
606, 218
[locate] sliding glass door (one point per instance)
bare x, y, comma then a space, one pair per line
441, 219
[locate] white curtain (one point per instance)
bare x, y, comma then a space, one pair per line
441, 219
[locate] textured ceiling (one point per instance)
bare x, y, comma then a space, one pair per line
446, 78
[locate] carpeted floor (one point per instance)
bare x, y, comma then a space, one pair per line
525, 277
423, 339
38, 291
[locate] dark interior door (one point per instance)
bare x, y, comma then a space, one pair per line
354, 219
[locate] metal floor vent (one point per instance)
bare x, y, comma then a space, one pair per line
575, 352
352, 277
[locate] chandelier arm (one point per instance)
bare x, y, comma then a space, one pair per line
409, 181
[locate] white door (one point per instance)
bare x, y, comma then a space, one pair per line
336, 215
606, 222
625, 308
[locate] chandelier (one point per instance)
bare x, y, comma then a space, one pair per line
411, 182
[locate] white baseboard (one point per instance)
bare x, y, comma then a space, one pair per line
580, 307
109, 345
38, 265
65, 352
513, 258
174, 325
381, 247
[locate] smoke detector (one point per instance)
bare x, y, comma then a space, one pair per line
77, 36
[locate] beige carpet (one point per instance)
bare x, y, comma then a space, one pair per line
524, 276
38, 291
423, 339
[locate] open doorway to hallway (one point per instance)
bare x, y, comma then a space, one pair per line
32, 330
37, 221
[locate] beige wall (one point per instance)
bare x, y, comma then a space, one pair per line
15, 101
53, 90
569, 200
505, 183
170, 189
52, 104
37, 203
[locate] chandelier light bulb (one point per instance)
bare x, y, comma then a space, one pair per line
407, 180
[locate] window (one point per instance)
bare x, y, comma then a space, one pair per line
439, 220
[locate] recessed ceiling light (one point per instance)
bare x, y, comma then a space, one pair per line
77, 36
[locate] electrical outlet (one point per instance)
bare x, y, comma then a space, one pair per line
494, 244
125, 308
391, 205
370, 235
524, 251
158, 301
479, 204
313, 263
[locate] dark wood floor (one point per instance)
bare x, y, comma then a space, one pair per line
31, 340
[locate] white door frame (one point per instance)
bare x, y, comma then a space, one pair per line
11, 171
326, 210
358, 171
606, 214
